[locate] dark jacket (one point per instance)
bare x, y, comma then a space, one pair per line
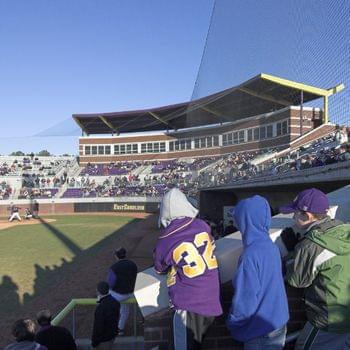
55, 338
122, 276
106, 320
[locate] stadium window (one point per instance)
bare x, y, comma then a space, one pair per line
250, 135
209, 141
196, 143
188, 144
241, 136
94, 150
182, 145
229, 139
171, 146
128, 148
202, 142
149, 147
134, 148
216, 141
262, 133
177, 145
269, 131
107, 149
162, 146
256, 134
279, 129
284, 127
101, 150
122, 149
156, 147
224, 140
143, 148
116, 149
87, 150
235, 138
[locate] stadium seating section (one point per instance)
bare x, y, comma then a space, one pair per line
53, 177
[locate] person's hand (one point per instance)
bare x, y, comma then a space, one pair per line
289, 238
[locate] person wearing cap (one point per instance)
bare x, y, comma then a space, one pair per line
121, 280
185, 252
320, 263
259, 311
53, 337
105, 327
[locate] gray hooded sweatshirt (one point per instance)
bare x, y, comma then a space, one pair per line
175, 205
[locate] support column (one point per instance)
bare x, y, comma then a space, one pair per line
325, 110
301, 111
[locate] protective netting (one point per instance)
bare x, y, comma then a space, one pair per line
304, 41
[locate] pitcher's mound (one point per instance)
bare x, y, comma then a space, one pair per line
5, 224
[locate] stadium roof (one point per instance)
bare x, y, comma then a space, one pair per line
261, 94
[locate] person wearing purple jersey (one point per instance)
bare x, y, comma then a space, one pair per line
185, 251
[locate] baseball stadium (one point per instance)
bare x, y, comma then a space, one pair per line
64, 219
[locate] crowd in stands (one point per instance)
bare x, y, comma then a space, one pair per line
155, 177
5, 190
120, 168
124, 186
238, 167
37, 193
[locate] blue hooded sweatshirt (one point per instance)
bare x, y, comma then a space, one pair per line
259, 303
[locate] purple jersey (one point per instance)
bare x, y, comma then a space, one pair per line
185, 249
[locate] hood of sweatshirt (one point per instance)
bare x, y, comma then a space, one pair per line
336, 237
253, 218
175, 205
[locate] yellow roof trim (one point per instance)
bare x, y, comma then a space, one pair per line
302, 87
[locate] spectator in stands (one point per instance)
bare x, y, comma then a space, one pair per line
321, 264
105, 327
121, 280
193, 276
24, 332
344, 152
259, 311
53, 337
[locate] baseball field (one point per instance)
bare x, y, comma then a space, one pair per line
46, 262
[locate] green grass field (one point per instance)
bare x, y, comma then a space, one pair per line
26, 250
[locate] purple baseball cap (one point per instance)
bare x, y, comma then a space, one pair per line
311, 200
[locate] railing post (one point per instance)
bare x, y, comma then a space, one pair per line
73, 322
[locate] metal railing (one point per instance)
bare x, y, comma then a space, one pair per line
71, 306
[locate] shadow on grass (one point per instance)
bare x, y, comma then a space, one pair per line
53, 278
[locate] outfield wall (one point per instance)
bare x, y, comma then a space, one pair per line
85, 205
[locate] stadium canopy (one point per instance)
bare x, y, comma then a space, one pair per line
261, 94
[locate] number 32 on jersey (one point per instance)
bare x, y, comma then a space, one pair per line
196, 263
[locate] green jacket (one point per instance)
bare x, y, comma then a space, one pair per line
321, 265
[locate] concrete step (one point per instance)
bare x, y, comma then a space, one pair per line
124, 343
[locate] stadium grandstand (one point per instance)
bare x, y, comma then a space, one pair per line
258, 137
258, 128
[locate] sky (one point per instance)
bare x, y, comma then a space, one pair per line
75, 56
63, 57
